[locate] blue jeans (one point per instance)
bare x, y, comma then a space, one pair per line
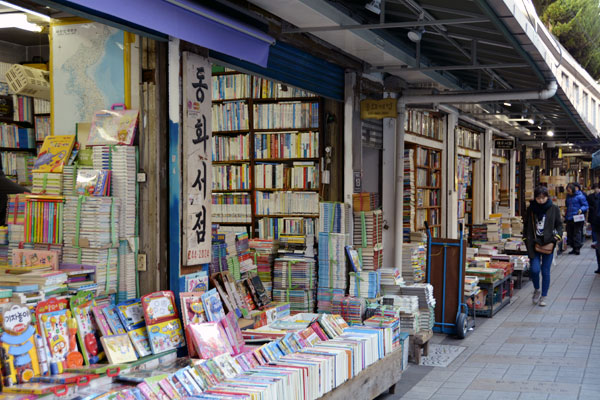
594, 236
546, 264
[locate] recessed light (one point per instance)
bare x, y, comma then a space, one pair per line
550, 133
507, 104
531, 121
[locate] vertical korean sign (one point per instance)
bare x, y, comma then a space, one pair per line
197, 159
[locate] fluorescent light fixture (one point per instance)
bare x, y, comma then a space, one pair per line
25, 10
531, 121
507, 104
18, 20
539, 127
374, 6
550, 133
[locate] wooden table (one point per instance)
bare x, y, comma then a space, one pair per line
372, 381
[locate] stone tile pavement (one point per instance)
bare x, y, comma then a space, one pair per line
525, 352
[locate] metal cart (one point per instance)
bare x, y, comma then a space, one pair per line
462, 322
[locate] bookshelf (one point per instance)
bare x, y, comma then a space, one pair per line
464, 173
426, 189
266, 155
467, 138
424, 123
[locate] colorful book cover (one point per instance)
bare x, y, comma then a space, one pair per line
166, 335
54, 154
110, 127
118, 349
139, 338
213, 306
34, 259
131, 314
93, 182
101, 321
111, 313
210, 339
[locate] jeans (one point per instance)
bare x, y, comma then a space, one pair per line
575, 234
594, 236
546, 264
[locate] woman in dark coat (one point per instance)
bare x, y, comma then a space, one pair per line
542, 225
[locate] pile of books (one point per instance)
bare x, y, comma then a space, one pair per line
332, 260
91, 222
365, 201
392, 323
264, 251
105, 260
368, 228
128, 285
300, 300
423, 291
334, 217
47, 183
414, 262
409, 207
365, 284
391, 280
326, 298
351, 308
294, 273
69, 179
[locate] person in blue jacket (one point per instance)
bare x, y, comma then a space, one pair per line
576, 205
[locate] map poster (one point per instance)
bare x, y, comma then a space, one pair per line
88, 72
197, 159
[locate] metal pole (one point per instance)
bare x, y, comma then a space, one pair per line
399, 228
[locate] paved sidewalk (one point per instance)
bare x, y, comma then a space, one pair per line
525, 351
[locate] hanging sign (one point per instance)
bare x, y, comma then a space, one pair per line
504, 144
197, 159
378, 109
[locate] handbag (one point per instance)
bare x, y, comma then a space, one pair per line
578, 218
547, 248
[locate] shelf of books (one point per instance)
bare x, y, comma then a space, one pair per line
464, 173
424, 123
266, 151
422, 190
24, 123
467, 138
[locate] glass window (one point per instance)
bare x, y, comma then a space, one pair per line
584, 104
576, 95
565, 82
593, 116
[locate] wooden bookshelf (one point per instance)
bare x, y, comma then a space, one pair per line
254, 160
26, 149
427, 188
464, 174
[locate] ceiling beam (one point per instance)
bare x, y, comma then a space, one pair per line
388, 25
447, 67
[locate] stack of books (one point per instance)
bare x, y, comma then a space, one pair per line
69, 179
91, 222
326, 298
332, 260
409, 205
351, 308
334, 217
80, 277
47, 183
300, 300
294, 273
264, 252
365, 284
414, 262
365, 201
368, 228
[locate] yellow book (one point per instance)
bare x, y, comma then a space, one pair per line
54, 154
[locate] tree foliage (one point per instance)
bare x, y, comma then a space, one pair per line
576, 24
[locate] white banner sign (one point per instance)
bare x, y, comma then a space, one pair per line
197, 159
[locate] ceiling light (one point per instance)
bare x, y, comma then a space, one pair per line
507, 104
18, 20
415, 35
550, 133
374, 6
15, 7
539, 127
531, 121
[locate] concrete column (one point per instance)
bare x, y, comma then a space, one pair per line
399, 187
349, 127
388, 189
512, 182
449, 192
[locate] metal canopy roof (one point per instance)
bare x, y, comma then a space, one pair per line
482, 45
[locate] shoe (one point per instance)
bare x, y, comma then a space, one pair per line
572, 252
577, 253
597, 271
594, 245
536, 296
542, 302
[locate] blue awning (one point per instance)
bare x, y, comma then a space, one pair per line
181, 19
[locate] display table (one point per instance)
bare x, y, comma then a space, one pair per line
375, 380
492, 305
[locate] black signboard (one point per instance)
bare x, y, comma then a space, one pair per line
504, 144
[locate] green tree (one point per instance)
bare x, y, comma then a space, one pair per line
576, 24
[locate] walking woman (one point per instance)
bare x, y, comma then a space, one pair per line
577, 205
542, 228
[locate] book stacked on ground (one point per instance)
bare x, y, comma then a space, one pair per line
294, 273
326, 298
391, 280
300, 300
47, 183
264, 251
91, 222
366, 284
471, 283
368, 228
424, 291
69, 178
334, 217
371, 257
128, 286
332, 260
426, 318
351, 308
409, 187
365, 201
105, 260
80, 277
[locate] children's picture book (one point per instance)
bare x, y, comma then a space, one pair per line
101, 321
93, 182
111, 315
110, 127
118, 349
131, 314
210, 339
58, 331
139, 338
213, 307
196, 282
87, 333
34, 259
354, 259
192, 312
162, 321
54, 154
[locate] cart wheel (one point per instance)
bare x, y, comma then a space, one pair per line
461, 325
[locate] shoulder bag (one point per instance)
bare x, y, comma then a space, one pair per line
547, 248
